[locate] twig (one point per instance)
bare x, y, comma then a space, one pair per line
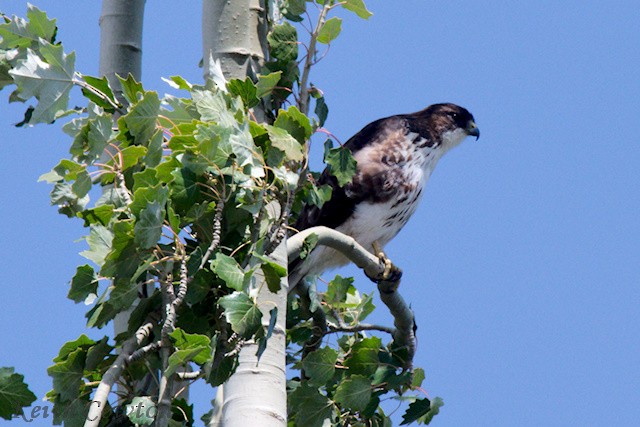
166, 381
184, 280
319, 320
189, 375
98, 93
144, 351
359, 328
113, 373
215, 239
303, 102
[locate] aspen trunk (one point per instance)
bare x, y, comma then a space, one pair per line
234, 33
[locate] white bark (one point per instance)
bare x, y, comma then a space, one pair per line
234, 33
256, 394
121, 54
121, 40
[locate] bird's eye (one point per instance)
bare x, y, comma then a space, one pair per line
453, 114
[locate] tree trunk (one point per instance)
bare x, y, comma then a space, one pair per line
121, 54
121, 41
234, 33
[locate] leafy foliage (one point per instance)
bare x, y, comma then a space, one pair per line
14, 394
183, 223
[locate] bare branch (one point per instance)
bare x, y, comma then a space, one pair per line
359, 328
144, 351
189, 375
184, 280
215, 240
113, 373
166, 381
303, 102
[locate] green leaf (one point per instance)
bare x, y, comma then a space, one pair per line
273, 273
141, 119
104, 93
283, 42
292, 9
100, 215
129, 156
338, 288
154, 150
141, 411
90, 137
185, 341
48, 80
358, 7
294, 122
178, 82
184, 188
82, 185
418, 377
143, 195
283, 141
229, 271
354, 392
266, 83
21, 33
148, 228
330, 30
212, 106
131, 88
126, 257
245, 89
40, 25
97, 354
67, 375
241, 313
340, 162
262, 340
321, 110
83, 342
308, 244
364, 358
320, 365
99, 240
311, 408
85, 282
14, 394
421, 410
73, 413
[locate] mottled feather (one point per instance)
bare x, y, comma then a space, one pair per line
395, 156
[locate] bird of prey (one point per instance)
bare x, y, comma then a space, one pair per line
395, 157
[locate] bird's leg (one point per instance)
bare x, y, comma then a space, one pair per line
391, 273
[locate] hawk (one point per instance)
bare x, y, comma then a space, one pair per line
395, 157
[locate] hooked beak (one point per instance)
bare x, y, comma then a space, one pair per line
473, 130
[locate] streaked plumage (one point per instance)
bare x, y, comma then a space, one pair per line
395, 155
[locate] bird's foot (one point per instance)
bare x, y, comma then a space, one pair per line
391, 274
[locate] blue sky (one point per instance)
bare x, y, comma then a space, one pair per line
522, 261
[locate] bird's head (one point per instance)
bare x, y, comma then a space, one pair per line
450, 122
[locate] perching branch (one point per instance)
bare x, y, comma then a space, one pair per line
113, 373
365, 260
374, 268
